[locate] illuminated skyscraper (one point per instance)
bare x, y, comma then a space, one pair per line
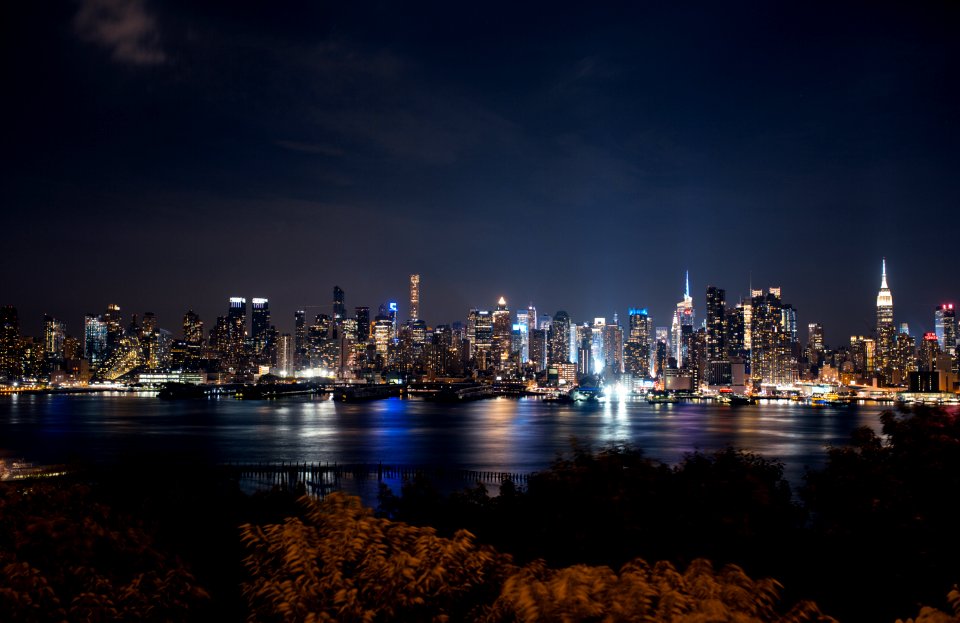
94, 339
716, 334
636, 352
815, 345
523, 326
613, 348
392, 314
682, 317
584, 338
414, 297
339, 311
237, 328
192, 328
929, 350
560, 338
259, 323
771, 356
886, 333
538, 349
114, 322
945, 326
54, 333
9, 342
363, 324
482, 345
502, 331
285, 354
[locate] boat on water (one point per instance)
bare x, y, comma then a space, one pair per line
662, 397
360, 393
735, 400
460, 393
187, 391
828, 400
278, 390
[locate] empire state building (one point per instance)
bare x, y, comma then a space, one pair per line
885, 329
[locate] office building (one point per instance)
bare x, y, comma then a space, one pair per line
192, 328
54, 333
945, 327
94, 339
559, 348
502, 333
885, 331
9, 343
339, 310
683, 316
414, 297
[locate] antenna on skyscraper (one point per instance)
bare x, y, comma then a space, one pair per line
687, 290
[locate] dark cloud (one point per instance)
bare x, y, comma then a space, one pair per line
125, 27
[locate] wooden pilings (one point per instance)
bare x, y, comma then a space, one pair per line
320, 478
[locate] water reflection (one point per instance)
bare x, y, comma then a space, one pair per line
512, 435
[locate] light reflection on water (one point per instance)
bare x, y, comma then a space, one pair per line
502, 434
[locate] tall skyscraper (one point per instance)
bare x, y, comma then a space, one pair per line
54, 334
945, 327
523, 326
636, 352
886, 333
815, 345
414, 297
285, 354
237, 328
613, 348
771, 356
538, 349
716, 325
560, 338
482, 344
114, 322
259, 322
929, 351
192, 328
9, 342
94, 339
363, 323
502, 332
682, 317
339, 311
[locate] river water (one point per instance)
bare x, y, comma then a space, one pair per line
503, 434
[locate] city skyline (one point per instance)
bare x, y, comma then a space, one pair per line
283, 313
171, 152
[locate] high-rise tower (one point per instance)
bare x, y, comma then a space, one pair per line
886, 332
414, 298
682, 317
339, 311
259, 323
502, 329
237, 327
559, 349
945, 326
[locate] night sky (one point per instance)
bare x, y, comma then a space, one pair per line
166, 156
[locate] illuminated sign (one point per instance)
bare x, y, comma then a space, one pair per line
393, 306
259, 301
639, 312
236, 300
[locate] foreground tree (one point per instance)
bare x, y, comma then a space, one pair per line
65, 557
341, 563
884, 511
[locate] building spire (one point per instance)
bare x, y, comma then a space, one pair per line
883, 275
686, 293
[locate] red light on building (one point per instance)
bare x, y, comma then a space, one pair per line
932, 337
